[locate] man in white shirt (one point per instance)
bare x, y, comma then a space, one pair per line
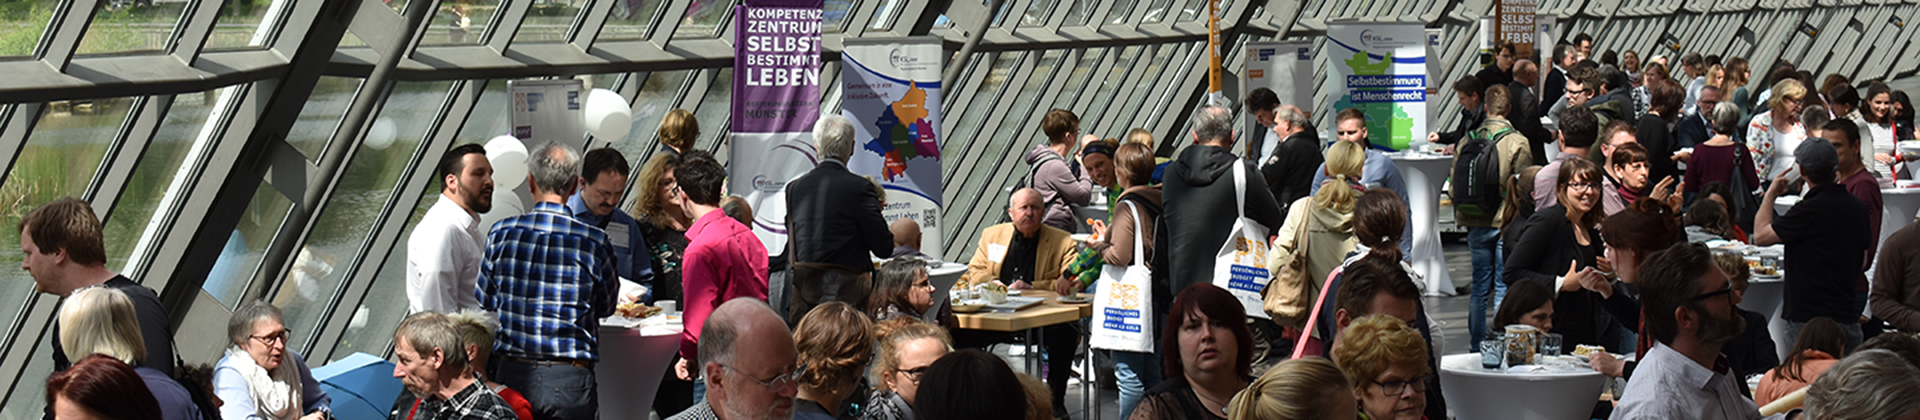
1689, 306
446, 248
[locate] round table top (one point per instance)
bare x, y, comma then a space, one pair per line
1469, 365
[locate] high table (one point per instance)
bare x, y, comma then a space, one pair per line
1424, 173
1029, 320
633, 361
1898, 205
1479, 394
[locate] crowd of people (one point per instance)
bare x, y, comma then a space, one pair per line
1586, 196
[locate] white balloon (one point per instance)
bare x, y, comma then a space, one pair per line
607, 115
506, 203
381, 134
509, 158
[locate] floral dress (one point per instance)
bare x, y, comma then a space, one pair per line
1772, 149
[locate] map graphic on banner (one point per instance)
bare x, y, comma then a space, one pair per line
776, 100
1381, 69
892, 89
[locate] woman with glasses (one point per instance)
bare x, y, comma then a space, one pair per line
664, 224
1208, 357
1387, 362
1773, 135
834, 343
260, 378
901, 290
907, 347
1560, 248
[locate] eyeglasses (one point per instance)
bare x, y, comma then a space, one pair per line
1590, 186
914, 374
1576, 91
923, 283
775, 382
270, 339
675, 190
1714, 294
1399, 388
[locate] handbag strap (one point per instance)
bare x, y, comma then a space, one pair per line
1239, 190
1139, 255
1313, 318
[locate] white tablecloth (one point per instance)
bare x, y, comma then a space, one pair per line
1478, 394
632, 363
1424, 173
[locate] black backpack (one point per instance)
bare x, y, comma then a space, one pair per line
1476, 174
1024, 182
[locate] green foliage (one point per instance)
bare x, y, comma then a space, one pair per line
21, 24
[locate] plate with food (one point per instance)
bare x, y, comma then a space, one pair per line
969, 307
1075, 299
637, 310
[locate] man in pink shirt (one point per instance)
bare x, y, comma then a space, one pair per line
724, 260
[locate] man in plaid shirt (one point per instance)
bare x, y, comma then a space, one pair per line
549, 277
433, 366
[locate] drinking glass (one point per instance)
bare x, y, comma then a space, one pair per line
1550, 345
1493, 352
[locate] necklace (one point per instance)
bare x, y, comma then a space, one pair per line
1209, 402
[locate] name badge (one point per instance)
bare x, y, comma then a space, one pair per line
996, 252
617, 233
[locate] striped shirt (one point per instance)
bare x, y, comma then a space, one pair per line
549, 278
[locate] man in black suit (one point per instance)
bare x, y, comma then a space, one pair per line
1556, 84
1289, 169
834, 225
1695, 129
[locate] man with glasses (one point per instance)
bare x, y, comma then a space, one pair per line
748, 361
723, 261
61, 247
1501, 71
1689, 307
1827, 237
549, 277
1582, 84
1695, 128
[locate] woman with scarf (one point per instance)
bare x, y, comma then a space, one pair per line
259, 379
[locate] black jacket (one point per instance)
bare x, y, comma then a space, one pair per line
1656, 135
1491, 76
1289, 171
1198, 198
835, 218
1691, 131
1546, 246
1555, 87
1469, 120
1524, 114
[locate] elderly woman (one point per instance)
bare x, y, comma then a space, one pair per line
1209, 354
102, 321
100, 387
1874, 384
259, 378
834, 344
901, 289
1773, 134
1560, 248
1387, 362
1308, 388
906, 348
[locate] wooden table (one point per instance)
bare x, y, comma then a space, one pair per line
1030, 320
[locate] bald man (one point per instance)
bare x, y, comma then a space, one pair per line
906, 238
1026, 253
748, 361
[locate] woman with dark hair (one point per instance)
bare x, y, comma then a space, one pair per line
1654, 131
1519, 204
1629, 169
1876, 138
834, 343
1527, 303
100, 387
1208, 357
1720, 193
1133, 219
1903, 127
971, 385
1821, 344
901, 289
1707, 220
1561, 239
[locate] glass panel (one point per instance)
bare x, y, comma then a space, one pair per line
58, 160
1110, 82
834, 16
1081, 11
1037, 12
547, 21
1022, 111
489, 117
1119, 123
22, 23
246, 245
982, 104
159, 164
1077, 81
386, 301
239, 23
30, 395
350, 40
1197, 9
1118, 13
630, 19
713, 111
1157, 11
461, 22
356, 206
704, 19
657, 93
127, 25
883, 16
322, 114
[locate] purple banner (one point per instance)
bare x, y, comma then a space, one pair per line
776, 62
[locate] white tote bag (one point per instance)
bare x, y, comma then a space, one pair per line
1241, 266
1123, 303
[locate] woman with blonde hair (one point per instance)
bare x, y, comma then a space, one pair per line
1300, 389
1386, 360
476, 328
905, 348
678, 130
1324, 220
834, 344
1773, 135
102, 321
